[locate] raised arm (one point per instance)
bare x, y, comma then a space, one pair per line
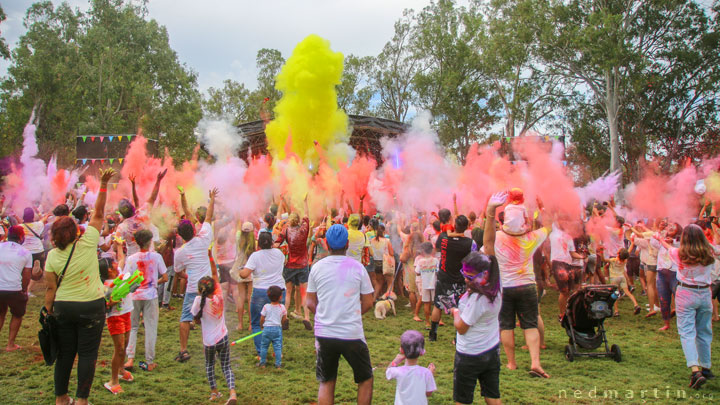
99, 212
211, 206
455, 208
156, 189
360, 211
183, 202
136, 200
496, 200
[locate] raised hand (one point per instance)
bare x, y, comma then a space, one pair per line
214, 193
131, 177
162, 174
106, 174
498, 199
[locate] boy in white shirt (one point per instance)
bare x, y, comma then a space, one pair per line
414, 383
272, 318
426, 265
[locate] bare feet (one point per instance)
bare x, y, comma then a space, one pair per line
151, 366
129, 364
441, 323
417, 319
666, 327
651, 313
511, 366
240, 327
12, 348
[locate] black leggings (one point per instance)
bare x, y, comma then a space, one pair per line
80, 328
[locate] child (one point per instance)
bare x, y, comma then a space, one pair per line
272, 317
118, 321
426, 265
208, 307
617, 277
477, 351
414, 383
515, 222
145, 298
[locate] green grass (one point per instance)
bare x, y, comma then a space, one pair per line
651, 360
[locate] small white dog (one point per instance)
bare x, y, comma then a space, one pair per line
383, 306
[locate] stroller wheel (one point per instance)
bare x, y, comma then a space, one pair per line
569, 353
616, 355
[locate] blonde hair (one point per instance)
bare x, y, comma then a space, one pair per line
694, 247
246, 243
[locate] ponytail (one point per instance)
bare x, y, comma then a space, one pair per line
206, 286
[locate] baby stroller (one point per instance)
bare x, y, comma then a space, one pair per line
586, 310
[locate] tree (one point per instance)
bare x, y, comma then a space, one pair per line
449, 86
229, 101
520, 91
395, 69
354, 91
4, 50
107, 71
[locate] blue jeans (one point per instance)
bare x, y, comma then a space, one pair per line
271, 334
257, 302
694, 322
666, 284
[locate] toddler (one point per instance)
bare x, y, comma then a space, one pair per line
414, 383
515, 213
617, 277
272, 318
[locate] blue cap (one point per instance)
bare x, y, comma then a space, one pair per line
337, 237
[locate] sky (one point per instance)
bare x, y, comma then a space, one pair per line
219, 39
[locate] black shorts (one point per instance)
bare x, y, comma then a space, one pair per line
296, 276
483, 368
633, 266
447, 295
355, 352
649, 267
567, 277
15, 300
378, 267
523, 301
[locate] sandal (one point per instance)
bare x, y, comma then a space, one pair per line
231, 401
539, 374
637, 310
307, 324
127, 376
113, 389
147, 366
215, 395
183, 356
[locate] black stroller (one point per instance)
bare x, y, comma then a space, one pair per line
586, 310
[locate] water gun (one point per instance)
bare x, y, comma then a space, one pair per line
245, 338
119, 239
125, 284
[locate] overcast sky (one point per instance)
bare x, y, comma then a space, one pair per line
219, 39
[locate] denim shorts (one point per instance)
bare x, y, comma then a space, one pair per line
296, 276
187, 316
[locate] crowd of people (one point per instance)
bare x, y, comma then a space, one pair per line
485, 273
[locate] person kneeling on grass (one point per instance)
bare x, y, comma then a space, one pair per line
272, 318
414, 383
477, 352
617, 277
208, 308
118, 321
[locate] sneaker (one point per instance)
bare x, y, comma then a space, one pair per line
295, 315
697, 380
707, 374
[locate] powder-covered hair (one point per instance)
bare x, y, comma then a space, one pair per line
412, 343
482, 273
426, 248
206, 287
694, 247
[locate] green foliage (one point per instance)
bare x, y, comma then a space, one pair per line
355, 91
110, 70
4, 50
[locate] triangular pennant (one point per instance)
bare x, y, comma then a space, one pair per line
84, 138
114, 186
101, 138
111, 160
111, 138
102, 160
120, 159
92, 139
92, 161
84, 161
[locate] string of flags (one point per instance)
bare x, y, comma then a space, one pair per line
109, 138
92, 161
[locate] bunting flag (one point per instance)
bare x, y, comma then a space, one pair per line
111, 138
111, 160
92, 139
102, 160
92, 161
120, 159
84, 138
114, 186
84, 161
101, 138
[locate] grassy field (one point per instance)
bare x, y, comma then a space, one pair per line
653, 368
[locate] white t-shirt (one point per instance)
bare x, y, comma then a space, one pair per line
427, 268
561, 244
273, 314
413, 384
514, 255
14, 258
613, 242
213, 317
267, 268
32, 242
338, 282
648, 252
692, 274
481, 315
663, 257
193, 257
151, 266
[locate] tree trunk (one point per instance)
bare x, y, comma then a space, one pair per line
510, 126
611, 110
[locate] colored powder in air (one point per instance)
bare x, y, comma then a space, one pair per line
600, 189
308, 108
